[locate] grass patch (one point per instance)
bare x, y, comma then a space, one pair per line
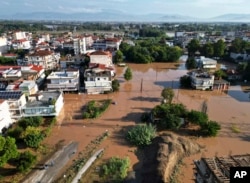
235, 128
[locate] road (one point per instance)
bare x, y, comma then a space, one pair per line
54, 165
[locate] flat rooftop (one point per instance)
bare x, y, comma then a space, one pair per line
42, 99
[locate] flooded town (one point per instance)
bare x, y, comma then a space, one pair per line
123, 102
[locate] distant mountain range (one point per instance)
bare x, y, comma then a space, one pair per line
122, 17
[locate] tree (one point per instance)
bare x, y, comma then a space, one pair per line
211, 128
128, 74
116, 169
34, 121
25, 161
185, 81
118, 58
193, 46
32, 137
168, 95
191, 63
208, 50
115, 85
197, 117
219, 74
219, 48
8, 149
141, 135
236, 45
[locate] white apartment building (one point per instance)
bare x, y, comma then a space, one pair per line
101, 57
98, 79
28, 87
19, 35
46, 103
206, 63
63, 81
21, 44
202, 81
45, 58
5, 118
3, 45
16, 100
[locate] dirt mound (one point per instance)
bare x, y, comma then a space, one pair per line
161, 157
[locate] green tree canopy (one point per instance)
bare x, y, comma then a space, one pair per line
208, 50
219, 74
118, 58
141, 135
168, 95
34, 121
219, 48
191, 63
128, 74
115, 85
115, 170
211, 128
25, 161
8, 149
193, 46
33, 137
197, 117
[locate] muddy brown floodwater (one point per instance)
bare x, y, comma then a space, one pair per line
140, 95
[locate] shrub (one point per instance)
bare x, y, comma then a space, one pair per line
211, 128
95, 109
115, 85
116, 169
185, 81
141, 135
25, 161
30, 121
197, 117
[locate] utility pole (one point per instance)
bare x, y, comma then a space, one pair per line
141, 84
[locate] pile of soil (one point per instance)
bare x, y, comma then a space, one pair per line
161, 157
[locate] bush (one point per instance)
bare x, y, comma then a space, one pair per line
95, 109
171, 122
25, 161
168, 95
197, 117
128, 74
15, 132
116, 169
33, 137
115, 85
141, 135
30, 121
211, 128
185, 81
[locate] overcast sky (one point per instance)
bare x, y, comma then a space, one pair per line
194, 8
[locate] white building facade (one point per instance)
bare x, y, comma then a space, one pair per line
63, 81
5, 118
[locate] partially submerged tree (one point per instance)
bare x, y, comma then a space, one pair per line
141, 135
115, 170
118, 58
128, 74
168, 95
